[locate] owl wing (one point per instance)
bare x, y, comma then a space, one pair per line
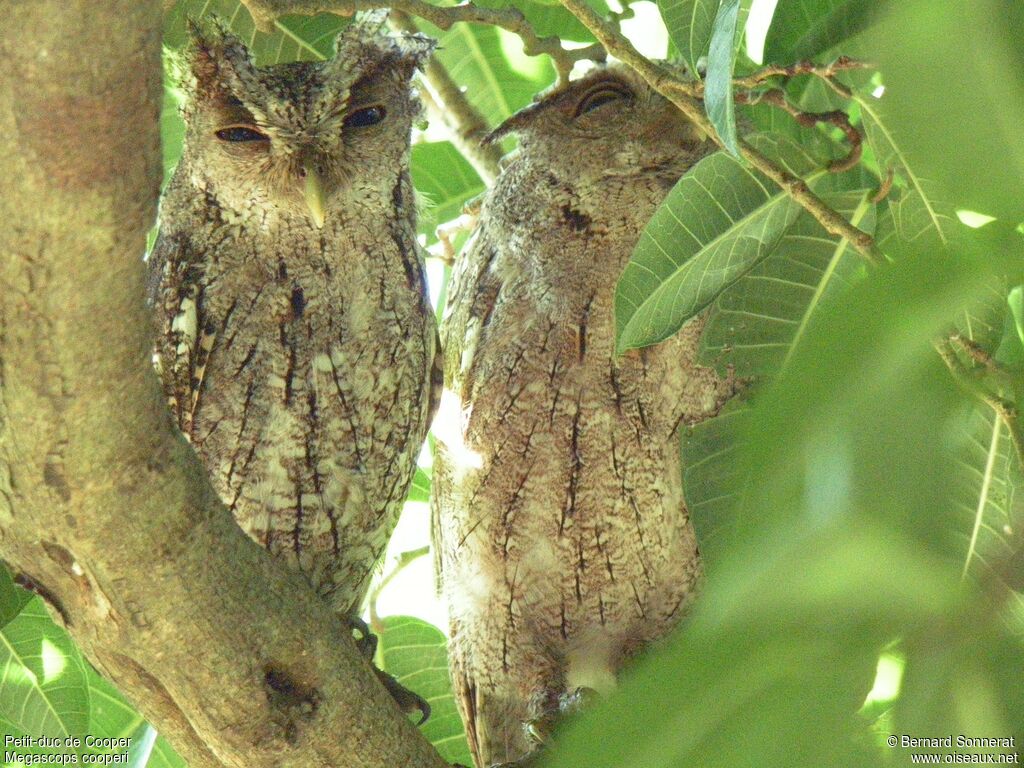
184, 336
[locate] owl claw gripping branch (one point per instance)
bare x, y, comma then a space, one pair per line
295, 338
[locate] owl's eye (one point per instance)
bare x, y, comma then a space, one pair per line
601, 95
241, 133
366, 116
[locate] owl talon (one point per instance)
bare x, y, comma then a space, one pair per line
367, 641
539, 729
407, 700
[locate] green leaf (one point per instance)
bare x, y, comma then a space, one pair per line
420, 488
973, 150
802, 29
295, 38
550, 18
444, 180
12, 597
689, 24
43, 685
1016, 301
917, 214
718, 100
498, 77
715, 225
985, 491
757, 322
416, 654
712, 477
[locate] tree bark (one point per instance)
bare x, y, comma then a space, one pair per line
101, 501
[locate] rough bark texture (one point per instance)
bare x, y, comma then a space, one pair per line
101, 502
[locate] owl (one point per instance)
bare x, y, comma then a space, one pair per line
565, 544
295, 338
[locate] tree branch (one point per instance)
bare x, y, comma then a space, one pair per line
102, 503
264, 12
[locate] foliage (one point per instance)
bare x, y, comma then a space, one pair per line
862, 500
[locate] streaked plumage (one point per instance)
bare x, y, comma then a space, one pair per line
296, 341
565, 544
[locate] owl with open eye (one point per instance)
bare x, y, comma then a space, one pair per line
565, 543
296, 341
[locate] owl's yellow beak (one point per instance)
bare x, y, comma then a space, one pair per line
314, 193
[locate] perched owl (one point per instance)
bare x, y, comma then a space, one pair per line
565, 545
296, 341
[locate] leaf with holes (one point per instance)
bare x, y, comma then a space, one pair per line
689, 24
715, 225
416, 653
718, 99
801, 29
43, 681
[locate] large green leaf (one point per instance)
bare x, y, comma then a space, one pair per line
498, 77
44, 690
444, 180
689, 24
713, 479
757, 322
954, 77
802, 29
985, 492
416, 654
715, 225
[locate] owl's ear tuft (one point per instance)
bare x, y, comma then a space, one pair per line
215, 60
365, 45
416, 49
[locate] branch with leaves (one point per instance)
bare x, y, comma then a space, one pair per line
265, 12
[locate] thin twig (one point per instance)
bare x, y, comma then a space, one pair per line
968, 380
835, 117
758, 78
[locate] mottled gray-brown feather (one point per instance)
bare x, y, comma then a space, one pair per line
565, 542
297, 357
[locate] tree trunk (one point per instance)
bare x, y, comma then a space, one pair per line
102, 502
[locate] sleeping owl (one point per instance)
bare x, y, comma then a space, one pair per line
296, 341
565, 543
